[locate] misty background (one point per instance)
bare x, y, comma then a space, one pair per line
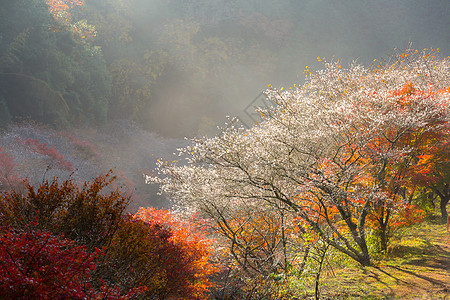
204, 59
133, 77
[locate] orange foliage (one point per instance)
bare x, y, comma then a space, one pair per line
182, 254
409, 214
428, 155
257, 241
406, 91
431, 157
60, 10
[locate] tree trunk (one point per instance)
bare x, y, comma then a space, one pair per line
303, 263
444, 196
364, 259
321, 260
443, 206
384, 234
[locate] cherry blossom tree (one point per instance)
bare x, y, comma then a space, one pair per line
330, 152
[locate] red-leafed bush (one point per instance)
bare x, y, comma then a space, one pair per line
187, 252
58, 160
153, 251
39, 265
164, 254
83, 147
8, 177
90, 215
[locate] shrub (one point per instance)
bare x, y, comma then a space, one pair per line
87, 215
56, 159
157, 250
38, 265
8, 177
152, 251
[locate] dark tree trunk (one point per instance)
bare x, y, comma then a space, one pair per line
303, 263
443, 206
384, 231
444, 196
364, 259
320, 260
383, 237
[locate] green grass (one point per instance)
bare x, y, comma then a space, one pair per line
416, 266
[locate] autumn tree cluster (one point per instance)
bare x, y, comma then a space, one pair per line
341, 160
62, 241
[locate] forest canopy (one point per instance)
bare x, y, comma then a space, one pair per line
48, 72
178, 67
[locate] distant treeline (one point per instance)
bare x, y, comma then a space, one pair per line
175, 66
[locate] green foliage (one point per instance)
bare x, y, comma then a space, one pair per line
48, 74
